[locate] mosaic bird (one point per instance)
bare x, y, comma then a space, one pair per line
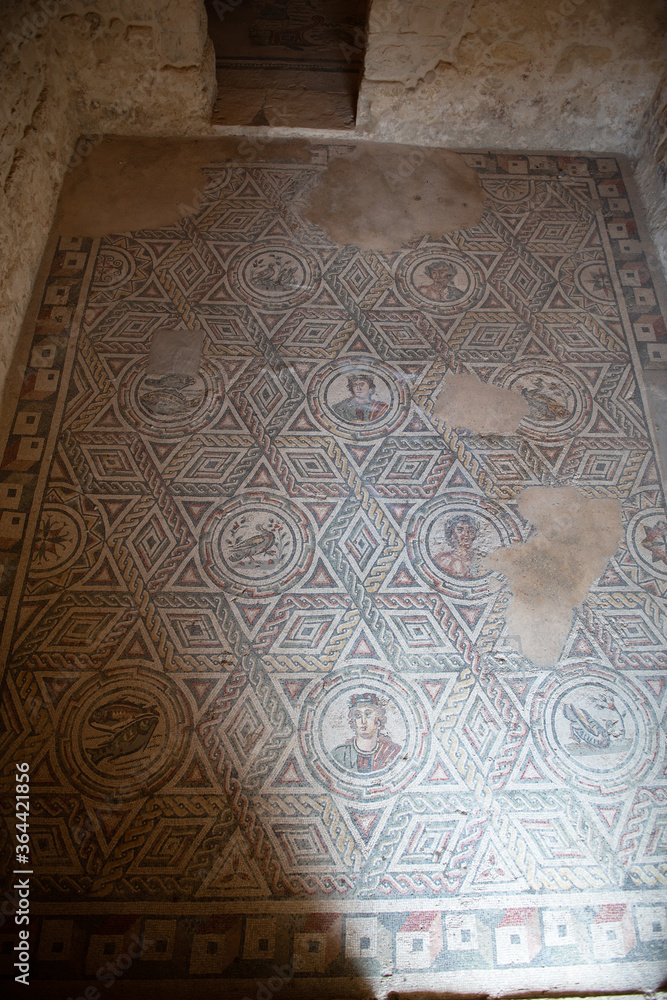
542, 404
130, 739
585, 729
275, 276
253, 546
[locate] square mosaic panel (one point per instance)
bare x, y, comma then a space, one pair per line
251, 651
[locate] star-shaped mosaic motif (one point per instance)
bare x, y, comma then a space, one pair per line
655, 540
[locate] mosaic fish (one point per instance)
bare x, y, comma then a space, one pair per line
166, 402
124, 710
129, 739
164, 395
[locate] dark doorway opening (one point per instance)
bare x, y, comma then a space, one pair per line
288, 62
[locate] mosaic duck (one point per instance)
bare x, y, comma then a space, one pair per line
585, 729
256, 545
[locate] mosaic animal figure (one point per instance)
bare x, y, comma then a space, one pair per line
585, 729
275, 276
130, 739
122, 711
542, 403
164, 396
256, 545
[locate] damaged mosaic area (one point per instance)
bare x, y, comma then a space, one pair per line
255, 629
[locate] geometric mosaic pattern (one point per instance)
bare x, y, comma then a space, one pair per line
251, 650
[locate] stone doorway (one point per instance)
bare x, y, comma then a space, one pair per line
288, 62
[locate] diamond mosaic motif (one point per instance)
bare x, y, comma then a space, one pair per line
243, 655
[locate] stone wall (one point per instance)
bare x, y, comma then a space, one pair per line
69, 67
559, 74
651, 169
562, 74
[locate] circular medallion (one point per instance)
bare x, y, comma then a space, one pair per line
358, 398
257, 544
123, 732
113, 268
587, 282
559, 402
596, 728
440, 280
364, 737
594, 281
274, 275
508, 192
171, 405
59, 540
122, 266
647, 540
448, 538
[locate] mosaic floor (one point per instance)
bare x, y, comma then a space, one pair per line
278, 738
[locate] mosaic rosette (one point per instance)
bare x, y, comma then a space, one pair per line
587, 280
647, 539
59, 541
121, 268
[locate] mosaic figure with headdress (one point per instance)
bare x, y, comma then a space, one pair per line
369, 749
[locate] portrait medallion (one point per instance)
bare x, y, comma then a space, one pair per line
366, 736
358, 398
439, 280
449, 537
